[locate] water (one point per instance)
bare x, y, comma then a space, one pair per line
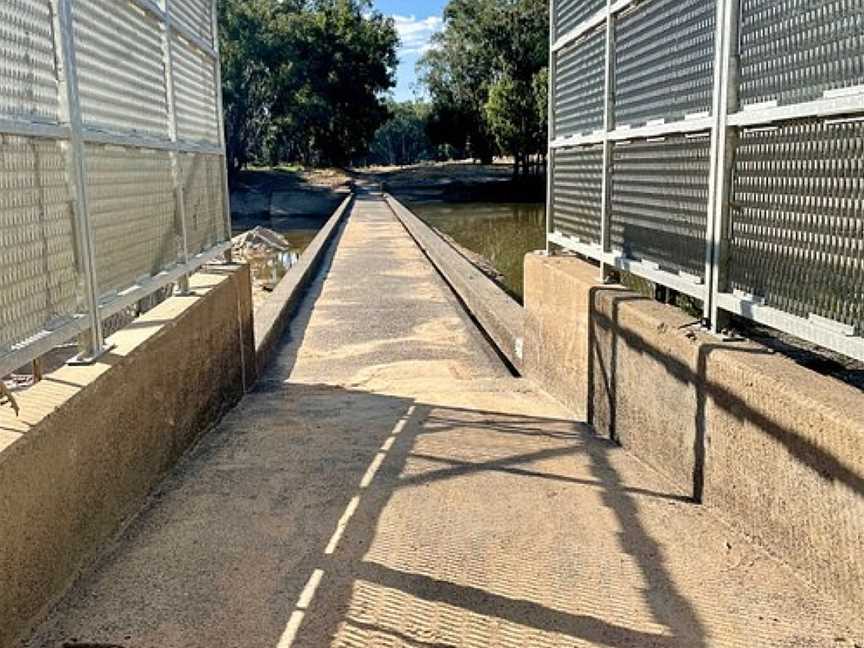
270, 266
502, 233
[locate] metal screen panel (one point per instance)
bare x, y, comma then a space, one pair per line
132, 209
205, 209
28, 80
37, 265
660, 201
577, 192
570, 13
195, 16
121, 75
798, 220
195, 92
579, 86
793, 52
664, 61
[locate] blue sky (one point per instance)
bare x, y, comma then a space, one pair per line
416, 21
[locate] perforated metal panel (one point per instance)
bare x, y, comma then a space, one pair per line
660, 201
37, 260
570, 13
580, 86
798, 219
202, 192
121, 77
195, 15
577, 192
28, 81
664, 61
794, 51
195, 93
132, 213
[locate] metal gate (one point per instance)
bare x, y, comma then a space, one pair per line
112, 164
716, 147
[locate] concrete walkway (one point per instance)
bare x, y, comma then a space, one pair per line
390, 484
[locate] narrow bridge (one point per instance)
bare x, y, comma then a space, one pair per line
388, 482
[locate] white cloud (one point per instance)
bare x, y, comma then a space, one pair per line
416, 33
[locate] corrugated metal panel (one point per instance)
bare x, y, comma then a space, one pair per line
121, 76
580, 86
194, 15
37, 259
28, 79
577, 192
660, 201
793, 51
203, 195
798, 219
570, 13
132, 210
664, 61
195, 92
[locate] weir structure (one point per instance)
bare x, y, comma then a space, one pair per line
357, 463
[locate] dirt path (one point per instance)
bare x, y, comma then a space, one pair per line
389, 484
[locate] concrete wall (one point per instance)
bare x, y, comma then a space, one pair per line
775, 449
91, 442
498, 314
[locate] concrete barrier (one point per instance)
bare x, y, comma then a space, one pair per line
274, 315
91, 442
499, 316
775, 449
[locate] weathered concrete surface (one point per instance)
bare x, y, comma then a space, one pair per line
274, 315
500, 316
556, 352
389, 484
772, 447
91, 442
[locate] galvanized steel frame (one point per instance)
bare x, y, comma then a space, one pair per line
74, 134
723, 123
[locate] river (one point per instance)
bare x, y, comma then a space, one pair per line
503, 233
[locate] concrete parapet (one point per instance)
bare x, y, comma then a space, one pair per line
499, 315
91, 442
274, 315
775, 449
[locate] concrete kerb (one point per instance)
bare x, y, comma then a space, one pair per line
274, 315
499, 316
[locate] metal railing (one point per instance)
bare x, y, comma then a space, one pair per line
112, 163
716, 147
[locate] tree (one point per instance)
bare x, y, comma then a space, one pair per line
403, 138
483, 74
303, 79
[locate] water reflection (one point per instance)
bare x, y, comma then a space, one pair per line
502, 233
270, 265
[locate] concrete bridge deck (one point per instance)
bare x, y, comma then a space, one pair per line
388, 483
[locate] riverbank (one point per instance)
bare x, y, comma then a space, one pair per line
290, 201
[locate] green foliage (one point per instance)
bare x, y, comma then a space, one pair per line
403, 138
303, 79
486, 75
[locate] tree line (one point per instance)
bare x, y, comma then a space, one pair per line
307, 81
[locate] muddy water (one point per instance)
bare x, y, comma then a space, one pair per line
503, 233
268, 267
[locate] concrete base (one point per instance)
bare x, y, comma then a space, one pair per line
776, 449
91, 442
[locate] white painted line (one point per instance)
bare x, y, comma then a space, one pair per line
290, 635
373, 469
343, 524
295, 621
308, 592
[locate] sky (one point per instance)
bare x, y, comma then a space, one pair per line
416, 21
